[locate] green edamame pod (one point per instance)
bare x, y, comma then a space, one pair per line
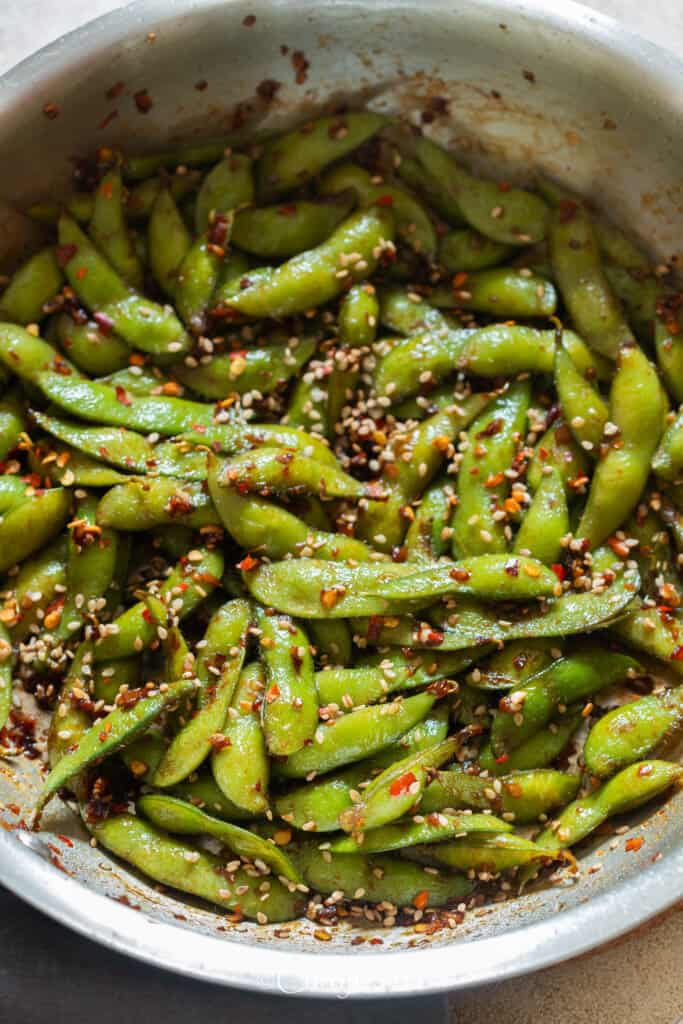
157, 501
630, 788
218, 668
109, 676
29, 526
485, 853
92, 349
585, 410
545, 522
169, 241
12, 422
358, 318
355, 736
349, 687
184, 867
537, 752
583, 674
290, 160
429, 533
503, 292
263, 368
466, 249
577, 268
183, 818
198, 275
668, 459
109, 231
270, 470
6, 667
91, 564
668, 337
240, 764
30, 288
191, 581
287, 229
516, 662
28, 356
434, 189
227, 185
637, 411
264, 528
405, 312
521, 797
140, 322
34, 589
435, 351
430, 828
513, 217
290, 703
644, 629
318, 803
491, 577
396, 789
379, 879
313, 277
557, 450
413, 225
332, 641
572, 613
632, 731
492, 440
118, 728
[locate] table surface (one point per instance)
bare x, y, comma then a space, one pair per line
49, 975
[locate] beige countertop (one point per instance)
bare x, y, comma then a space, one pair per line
637, 978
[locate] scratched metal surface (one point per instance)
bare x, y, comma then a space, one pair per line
622, 147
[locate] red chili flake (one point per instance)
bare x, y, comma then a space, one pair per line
106, 121
219, 742
421, 899
287, 210
678, 653
401, 785
502, 759
268, 89
248, 563
559, 571
433, 637
104, 322
51, 111
81, 273
494, 480
375, 626
122, 395
568, 210
147, 616
300, 65
114, 91
143, 101
529, 75
179, 505
384, 201
460, 575
504, 186
619, 547
460, 279
249, 20
64, 253
492, 428
634, 844
219, 230
272, 693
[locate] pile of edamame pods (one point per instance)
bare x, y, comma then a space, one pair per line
341, 521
